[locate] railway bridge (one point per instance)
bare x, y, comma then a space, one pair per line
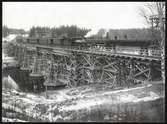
75, 66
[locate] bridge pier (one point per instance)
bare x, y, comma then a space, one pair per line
36, 83
71, 68
55, 76
36, 78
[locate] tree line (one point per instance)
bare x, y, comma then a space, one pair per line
69, 31
74, 31
7, 31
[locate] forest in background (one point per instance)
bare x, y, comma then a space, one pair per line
75, 31
6, 31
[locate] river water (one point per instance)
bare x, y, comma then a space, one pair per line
7, 81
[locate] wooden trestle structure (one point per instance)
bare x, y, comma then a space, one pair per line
71, 67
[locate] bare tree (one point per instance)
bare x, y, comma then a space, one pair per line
148, 10
154, 14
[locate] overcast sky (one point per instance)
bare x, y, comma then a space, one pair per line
93, 15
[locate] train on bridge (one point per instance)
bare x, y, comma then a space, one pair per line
127, 46
78, 61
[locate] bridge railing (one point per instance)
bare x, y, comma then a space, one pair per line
141, 52
110, 50
128, 51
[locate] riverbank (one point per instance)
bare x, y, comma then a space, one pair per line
143, 103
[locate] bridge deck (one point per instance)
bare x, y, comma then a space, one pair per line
66, 51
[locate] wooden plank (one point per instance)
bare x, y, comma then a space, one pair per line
142, 72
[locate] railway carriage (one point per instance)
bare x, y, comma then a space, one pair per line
131, 46
136, 47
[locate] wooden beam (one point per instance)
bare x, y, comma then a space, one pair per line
111, 64
111, 77
149, 75
142, 72
86, 60
109, 70
101, 78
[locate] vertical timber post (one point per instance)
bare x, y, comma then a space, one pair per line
162, 28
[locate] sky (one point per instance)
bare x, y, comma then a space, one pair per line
91, 15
